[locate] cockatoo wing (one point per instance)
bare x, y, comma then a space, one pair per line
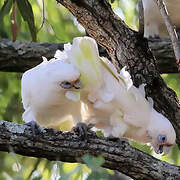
26, 97
26, 83
85, 57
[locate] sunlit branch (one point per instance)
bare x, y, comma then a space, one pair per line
68, 147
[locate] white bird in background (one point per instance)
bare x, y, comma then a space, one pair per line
153, 22
105, 98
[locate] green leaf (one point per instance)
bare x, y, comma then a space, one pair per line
93, 162
26, 11
99, 133
5, 9
68, 175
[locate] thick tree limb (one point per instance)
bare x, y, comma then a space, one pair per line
20, 56
56, 145
141, 17
163, 51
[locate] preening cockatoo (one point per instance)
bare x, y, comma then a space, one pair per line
105, 98
153, 22
112, 103
45, 90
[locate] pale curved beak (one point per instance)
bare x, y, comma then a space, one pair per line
77, 84
162, 149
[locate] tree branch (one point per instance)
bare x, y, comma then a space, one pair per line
164, 55
56, 145
20, 56
141, 17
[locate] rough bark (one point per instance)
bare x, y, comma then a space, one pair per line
56, 145
20, 56
164, 55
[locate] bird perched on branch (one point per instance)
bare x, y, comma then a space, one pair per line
112, 103
45, 89
105, 97
154, 24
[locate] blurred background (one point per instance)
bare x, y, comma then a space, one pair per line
54, 24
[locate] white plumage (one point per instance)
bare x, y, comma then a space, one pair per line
44, 99
105, 98
154, 23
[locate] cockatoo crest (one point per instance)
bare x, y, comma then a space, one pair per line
85, 57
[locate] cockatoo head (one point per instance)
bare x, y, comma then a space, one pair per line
83, 54
62, 73
162, 133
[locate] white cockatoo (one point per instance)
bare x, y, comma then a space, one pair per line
105, 98
45, 90
153, 22
112, 103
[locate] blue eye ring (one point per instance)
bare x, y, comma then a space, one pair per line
162, 138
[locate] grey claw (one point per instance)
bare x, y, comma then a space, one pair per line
82, 130
34, 127
112, 138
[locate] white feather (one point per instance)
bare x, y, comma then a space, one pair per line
120, 109
43, 99
109, 100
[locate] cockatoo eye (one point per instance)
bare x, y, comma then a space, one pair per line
162, 139
66, 85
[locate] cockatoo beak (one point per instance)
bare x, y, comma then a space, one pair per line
77, 84
162, 149
166, 150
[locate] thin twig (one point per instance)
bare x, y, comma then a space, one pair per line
171, 30
141, 17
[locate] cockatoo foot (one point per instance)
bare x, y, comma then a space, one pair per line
113, 138
117, 139
124, 140
82, 130
155, 36
34, 127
